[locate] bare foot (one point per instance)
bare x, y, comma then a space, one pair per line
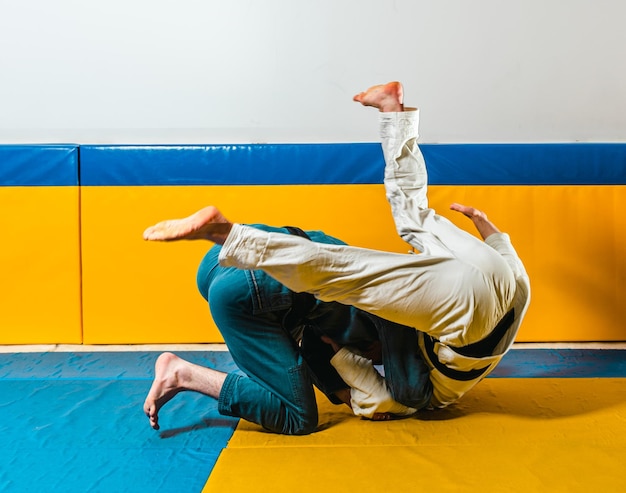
386, 97
166, 384
206, 224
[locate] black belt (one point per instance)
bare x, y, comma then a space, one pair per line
479, 349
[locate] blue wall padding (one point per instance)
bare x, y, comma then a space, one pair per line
262, 164
38, 165
282, 164
526, 164
359, 163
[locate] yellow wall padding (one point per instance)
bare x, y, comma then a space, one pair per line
508, 435
143, 292
571, 239
40, 263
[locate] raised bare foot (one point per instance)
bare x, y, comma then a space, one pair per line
206, 224
386, 97
166, 384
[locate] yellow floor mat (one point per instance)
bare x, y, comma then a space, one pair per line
507, 435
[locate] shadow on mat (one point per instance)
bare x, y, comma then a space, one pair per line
539, 399
534, 398
206, 423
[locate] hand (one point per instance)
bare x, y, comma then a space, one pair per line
336, 347
484, 226
374, 352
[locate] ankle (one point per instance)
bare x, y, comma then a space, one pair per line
391, 107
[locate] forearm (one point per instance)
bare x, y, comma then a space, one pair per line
484, 226
369, 392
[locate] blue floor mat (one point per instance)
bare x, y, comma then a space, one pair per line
73, 422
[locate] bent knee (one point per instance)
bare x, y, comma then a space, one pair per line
301, 422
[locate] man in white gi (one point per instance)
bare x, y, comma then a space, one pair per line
465, 297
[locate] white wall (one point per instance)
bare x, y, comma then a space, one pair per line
231, 71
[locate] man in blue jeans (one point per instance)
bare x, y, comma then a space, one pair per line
445, 317
275, 339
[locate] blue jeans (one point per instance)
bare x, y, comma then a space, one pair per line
276, 389
248, 307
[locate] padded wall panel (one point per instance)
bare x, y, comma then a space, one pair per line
40, 261
572, 240
144, 292
560, 203
252, 164
292, 164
